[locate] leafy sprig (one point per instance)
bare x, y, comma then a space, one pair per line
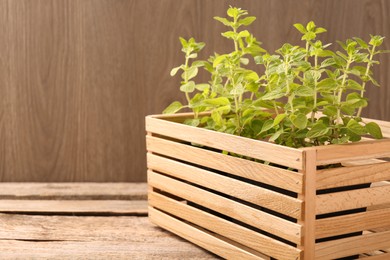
306, 96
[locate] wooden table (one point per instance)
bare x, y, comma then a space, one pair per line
84, 221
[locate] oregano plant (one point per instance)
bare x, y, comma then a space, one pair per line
305, 96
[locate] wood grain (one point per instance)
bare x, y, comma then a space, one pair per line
261, 150
275, 176
75, 207
77, 77
249, 215
72, 191
259, 242
353, 245
219, 245
239, 189
27, 237
359, 198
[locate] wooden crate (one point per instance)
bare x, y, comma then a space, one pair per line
241, 209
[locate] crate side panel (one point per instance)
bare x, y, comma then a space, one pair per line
239, 189
285, 179
381, 256
266, 151
353, 245
350, 223
202, 238
233, 231
352, 175
249, 215
331, 154
358, 198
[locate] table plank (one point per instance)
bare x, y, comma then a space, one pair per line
90, 207
76, 190
67, 237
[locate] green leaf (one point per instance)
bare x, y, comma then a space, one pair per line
183, 42
328, 62
192, 122
320, 30
309, 36
355, 127
243, 34
304, 91
244, 61
256, 125
219, 59
202, 87
355, 100
274, 94
319, 129
223, 20
362, 43
252, 76
247, 21
325, 53
342, 55
327, 84
219, 101
217, 118
352, 84
376, 40
232, 12
237, 90
192, 72
224, 109
330, 111
374, 130
310, 26
174, 71
299, 121
276, 135
173, 108
300, 28
374, 81
267, 125
188, 87
279, 118
229, 34
193, 56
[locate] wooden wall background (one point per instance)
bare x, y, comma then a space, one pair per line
77, 77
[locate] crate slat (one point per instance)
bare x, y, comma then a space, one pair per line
384, 256
256, 149
260, 196
353, 245
275, 176
251, 216
240, 234
207, 240
329, 154
359, 198
344, 176
353, 222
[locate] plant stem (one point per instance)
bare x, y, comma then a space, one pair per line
366, 75
340, 93
290, 96
186, 76
315, 90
